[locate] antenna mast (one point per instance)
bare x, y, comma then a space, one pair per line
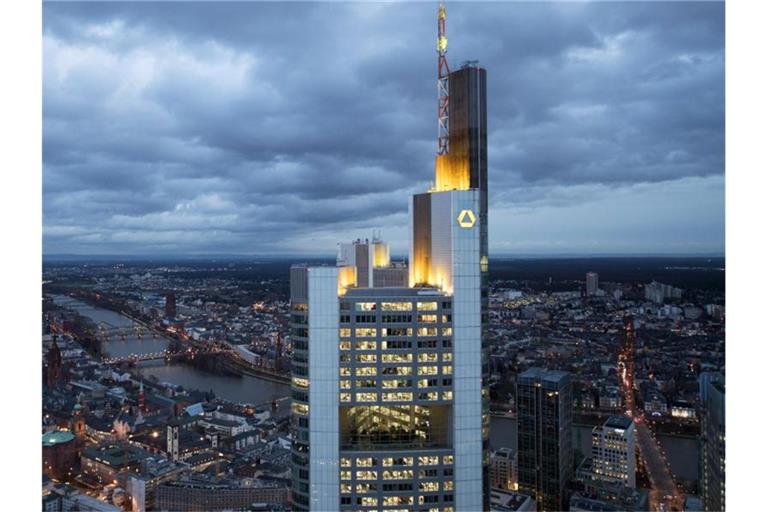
442, 83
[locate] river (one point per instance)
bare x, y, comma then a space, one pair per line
235, 389
683, 452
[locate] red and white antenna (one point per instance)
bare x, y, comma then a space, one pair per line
442, 83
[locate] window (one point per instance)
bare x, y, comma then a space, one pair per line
345, 397
427, 331
344, 372
397, 397
396, 306
300, 383
365, 397
345, 332
344, 384
397, 474
447, 459
365, 345
427, 383
431, 460
345, 475
396, 358
397, 331
426, 306
428, 357
345, 462
367, 475
366, 332
396, 383
447, 357
429, 319
365, 462
397, 370
365, 306
366, 358
365, 371
395, 345
447, 331
428, 370
345, 345
365, 383
447, 395
447, 370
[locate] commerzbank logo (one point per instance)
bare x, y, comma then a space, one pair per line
466, 218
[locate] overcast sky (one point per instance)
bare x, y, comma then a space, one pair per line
254, 128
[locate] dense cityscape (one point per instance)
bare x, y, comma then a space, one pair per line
439, 380
108, 414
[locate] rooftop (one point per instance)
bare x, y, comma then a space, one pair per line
57, 437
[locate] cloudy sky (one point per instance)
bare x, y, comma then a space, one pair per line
283, 128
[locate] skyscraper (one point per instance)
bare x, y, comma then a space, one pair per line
592, 283
544, 437
390, 403
712, 395
613, 451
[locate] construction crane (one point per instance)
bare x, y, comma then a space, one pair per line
442, 83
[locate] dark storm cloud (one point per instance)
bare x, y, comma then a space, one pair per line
254, 127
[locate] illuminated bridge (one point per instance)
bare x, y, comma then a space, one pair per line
189, 353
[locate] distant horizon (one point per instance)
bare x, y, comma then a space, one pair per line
395, 257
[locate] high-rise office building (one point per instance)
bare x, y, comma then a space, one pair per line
373, 264
503, 469
544, 436
592, 283
712, 467
390, 403
170, 305
613, 451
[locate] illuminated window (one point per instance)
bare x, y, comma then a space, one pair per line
397, 461
447, 331
300, 408
365, 306
345, 345
364, 462
366, 358
365, 488
345, 475
344, 384
365, 383
346, 488
396, 306
428, 319
432, 395
427, 383
396, 358
396, 383
345, 397
345, 462
345, 372
448, 485
428, 370
365, 371
365, 345
447, 370
428, 357
345, 332
369, 501
429, 486
397, 370
447, 459
426, 306
397, 331
397, 397
300, 383
431, 460
447, 357
447, 395
366, 475
427, 331
397, 474
366, 331
365, 397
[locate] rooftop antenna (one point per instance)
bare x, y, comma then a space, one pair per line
442, 83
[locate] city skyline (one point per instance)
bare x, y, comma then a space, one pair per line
163, 135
